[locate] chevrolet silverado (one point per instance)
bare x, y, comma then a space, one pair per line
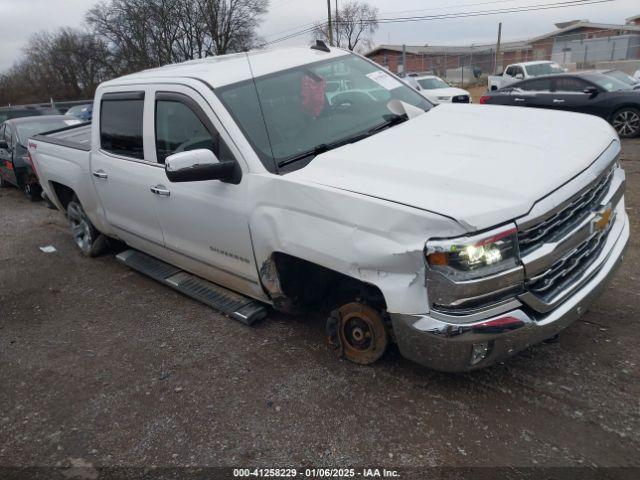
462, 233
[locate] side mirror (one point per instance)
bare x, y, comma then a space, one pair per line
196, 166
3, 145
592, 91
519, 76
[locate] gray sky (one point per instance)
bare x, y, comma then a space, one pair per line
22, 18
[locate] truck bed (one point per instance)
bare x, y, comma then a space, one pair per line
76, 136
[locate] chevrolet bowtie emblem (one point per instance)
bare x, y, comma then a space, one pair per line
602, 220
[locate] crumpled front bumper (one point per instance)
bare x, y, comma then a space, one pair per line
447, 346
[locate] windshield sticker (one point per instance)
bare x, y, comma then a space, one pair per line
383, 79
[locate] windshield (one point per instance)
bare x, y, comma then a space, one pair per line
27, 130
78, 110
608, 83
621, 76
543, 69
431, 83
320, 104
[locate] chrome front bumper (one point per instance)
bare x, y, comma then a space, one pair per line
448, 346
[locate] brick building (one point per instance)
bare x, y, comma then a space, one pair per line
578, 42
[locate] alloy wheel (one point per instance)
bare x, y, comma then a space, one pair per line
80, 227
627, 123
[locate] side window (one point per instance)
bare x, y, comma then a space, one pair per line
510, 71
568, 84
121, 123
181, 126
538, 85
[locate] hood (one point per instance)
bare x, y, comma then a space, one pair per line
481, 165
443, 92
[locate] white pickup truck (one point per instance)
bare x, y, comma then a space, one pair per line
519, 71
462, 233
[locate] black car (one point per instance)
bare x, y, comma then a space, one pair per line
592, 92
8, 113
15, 165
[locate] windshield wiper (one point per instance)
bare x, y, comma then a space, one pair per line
393, 120
325, 147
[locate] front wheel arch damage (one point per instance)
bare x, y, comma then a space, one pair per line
297, 285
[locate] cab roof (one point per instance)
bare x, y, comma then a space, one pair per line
221, 70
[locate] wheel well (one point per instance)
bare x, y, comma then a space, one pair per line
622, 107
64, 193
308, 285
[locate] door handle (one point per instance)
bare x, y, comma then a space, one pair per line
100, 174
558, 100
518, 99
160, 190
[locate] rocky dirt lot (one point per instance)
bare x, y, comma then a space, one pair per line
101, 365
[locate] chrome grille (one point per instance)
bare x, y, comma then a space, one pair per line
566, 270
460, 99
562, 221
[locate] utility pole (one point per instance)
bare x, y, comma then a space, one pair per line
495, 63
329, 26
337, 37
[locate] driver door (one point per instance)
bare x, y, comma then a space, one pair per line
205, 221
568, 94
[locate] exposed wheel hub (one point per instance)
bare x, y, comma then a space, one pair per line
358, 332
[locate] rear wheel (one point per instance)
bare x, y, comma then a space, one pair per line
88, 239
358, 332
32, 191
626, 121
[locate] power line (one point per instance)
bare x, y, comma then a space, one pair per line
448, 16
529, 8
449, 6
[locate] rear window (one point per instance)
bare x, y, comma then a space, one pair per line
121, 123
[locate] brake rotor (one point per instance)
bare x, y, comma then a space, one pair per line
362, 333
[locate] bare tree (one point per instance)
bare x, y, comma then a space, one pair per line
354, 24
231, 24
67, 64
124, 36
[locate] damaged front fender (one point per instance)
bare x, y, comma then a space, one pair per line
375, 241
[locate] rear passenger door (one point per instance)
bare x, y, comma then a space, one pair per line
123, 168
534, 93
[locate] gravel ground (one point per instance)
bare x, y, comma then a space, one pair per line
100, 365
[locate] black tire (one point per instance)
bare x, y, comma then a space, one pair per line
626, 122
33, 191
87, 237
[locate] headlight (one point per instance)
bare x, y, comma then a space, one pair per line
477, 256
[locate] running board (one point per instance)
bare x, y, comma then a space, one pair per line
237, 306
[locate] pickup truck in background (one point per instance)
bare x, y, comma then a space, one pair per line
519, 71
462, 233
